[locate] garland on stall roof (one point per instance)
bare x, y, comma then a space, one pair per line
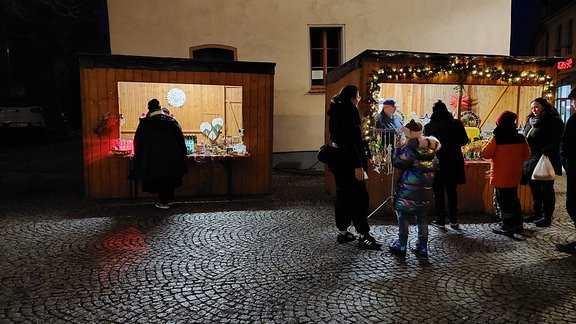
462, 68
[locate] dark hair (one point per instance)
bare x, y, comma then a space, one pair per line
548, 109
572, 94
348, 93
153, 104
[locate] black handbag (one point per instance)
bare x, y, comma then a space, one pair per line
326, 154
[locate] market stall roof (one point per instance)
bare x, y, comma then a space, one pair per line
402, 57
91, 61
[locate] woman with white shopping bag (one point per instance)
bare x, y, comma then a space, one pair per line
543, 131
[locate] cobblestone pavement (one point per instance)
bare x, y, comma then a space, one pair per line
271, 259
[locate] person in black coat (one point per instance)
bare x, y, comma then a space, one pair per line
543, 132
451, 133
159, 154
349, 168
568, 158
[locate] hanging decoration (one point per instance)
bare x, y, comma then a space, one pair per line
176, 97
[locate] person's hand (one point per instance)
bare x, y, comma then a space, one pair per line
359, 173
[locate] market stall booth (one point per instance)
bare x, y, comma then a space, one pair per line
476, 88
225, 109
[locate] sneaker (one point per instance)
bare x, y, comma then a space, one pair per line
397, 249
569, 248
162, 206
420, 250
367, 242
437, 225
345, 238
455, 226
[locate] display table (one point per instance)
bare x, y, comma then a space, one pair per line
225, 160
474, 197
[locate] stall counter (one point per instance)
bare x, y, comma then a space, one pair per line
475, 197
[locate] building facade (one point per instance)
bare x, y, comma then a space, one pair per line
306, 39
555, 37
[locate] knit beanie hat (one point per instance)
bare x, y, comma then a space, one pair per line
412, 129
153, 104
439, 106
506, 117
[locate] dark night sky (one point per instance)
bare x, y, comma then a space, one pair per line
41, 38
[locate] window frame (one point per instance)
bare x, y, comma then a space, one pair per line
339, 28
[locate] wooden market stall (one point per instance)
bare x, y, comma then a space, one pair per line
475, 87
212, 100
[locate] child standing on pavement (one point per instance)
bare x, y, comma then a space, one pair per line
507, 150
417, 162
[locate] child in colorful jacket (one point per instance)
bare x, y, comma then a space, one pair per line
417, 162
507, 150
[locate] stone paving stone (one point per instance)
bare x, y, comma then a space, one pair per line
270, 259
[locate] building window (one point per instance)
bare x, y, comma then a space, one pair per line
562, 102
325, 54
558, 49
213, 52
570, 36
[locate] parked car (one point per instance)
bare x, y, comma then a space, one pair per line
23, 116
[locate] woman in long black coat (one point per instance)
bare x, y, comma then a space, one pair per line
159, 154
451, 133
349, 168
543, 132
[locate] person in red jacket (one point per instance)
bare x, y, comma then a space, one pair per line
507, 150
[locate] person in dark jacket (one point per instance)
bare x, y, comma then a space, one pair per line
543, 132
507, 150
568, 158
349, 169
451, 133
159, 154
388, 123
417, 163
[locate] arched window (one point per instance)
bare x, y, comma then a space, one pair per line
214, 52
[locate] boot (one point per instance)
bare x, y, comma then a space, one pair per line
507, 226
398, 248
535, 215
545, 221
421, 249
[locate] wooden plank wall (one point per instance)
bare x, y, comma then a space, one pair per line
491, 99
106, 177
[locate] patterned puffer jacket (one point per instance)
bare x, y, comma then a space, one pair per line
417, 162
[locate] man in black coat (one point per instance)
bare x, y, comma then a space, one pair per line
159, 154
568, 158
451, 133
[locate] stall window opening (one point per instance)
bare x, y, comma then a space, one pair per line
325, 53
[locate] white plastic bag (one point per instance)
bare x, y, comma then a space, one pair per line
543, 169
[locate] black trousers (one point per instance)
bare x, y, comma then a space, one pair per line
571, 196
164, 186
510, 209
439, 187
351, 205
543, 197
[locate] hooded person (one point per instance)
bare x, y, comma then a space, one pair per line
507, 151
160, 159
417, 163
